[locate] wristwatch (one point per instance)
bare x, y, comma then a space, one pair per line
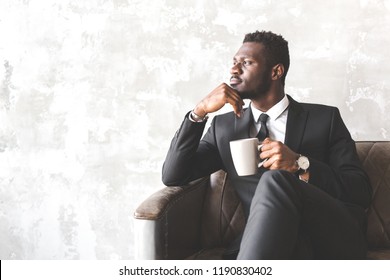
195, 118
303, 164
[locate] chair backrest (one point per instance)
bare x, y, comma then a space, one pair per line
223, 218
375, 157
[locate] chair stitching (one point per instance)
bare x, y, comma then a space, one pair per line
381, 223
229, 226
382, 177
384, 185
165, 216
221, 214
379, 186
166, 236
179, 197
368, 153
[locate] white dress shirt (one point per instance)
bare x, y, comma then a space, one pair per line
276, 122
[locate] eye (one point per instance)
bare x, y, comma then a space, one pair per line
247, 62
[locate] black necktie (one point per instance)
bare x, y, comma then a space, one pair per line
263, 132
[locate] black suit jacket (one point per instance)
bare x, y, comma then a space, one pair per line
313, 130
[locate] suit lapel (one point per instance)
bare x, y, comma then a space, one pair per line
242, 125
296, 123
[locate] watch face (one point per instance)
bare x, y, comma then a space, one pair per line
303, 162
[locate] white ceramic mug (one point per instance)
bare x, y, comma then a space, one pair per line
246, 156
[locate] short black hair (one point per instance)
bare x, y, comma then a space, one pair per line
276, 47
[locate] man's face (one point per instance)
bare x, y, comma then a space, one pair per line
251, 76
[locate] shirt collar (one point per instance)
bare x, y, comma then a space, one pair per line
274, 112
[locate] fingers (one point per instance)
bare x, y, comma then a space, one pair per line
216, 99
273, 163
279, 156
237, 104
270, 148
267, 140
266, 154
234, 99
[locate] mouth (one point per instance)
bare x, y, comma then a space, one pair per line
234, 80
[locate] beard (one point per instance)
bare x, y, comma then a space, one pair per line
261, 90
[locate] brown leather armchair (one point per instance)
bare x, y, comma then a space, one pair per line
199, 220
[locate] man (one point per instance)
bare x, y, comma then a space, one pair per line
309, 198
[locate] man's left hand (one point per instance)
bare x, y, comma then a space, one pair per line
279, 156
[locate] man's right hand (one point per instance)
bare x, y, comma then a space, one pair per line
216, 99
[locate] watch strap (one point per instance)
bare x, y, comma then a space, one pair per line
195, 118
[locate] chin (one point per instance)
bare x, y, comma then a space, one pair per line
249, 94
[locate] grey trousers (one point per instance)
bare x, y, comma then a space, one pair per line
290, 219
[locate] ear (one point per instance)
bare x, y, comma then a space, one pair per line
277, 71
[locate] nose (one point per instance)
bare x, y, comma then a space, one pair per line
236, 69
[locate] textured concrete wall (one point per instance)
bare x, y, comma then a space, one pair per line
91, 93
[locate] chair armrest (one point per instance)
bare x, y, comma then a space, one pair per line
168, 223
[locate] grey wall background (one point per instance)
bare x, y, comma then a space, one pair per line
91, 93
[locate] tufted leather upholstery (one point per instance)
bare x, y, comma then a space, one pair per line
197, 221
375, 158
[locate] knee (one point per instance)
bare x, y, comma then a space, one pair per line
277, 188
277, 181
274, 176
